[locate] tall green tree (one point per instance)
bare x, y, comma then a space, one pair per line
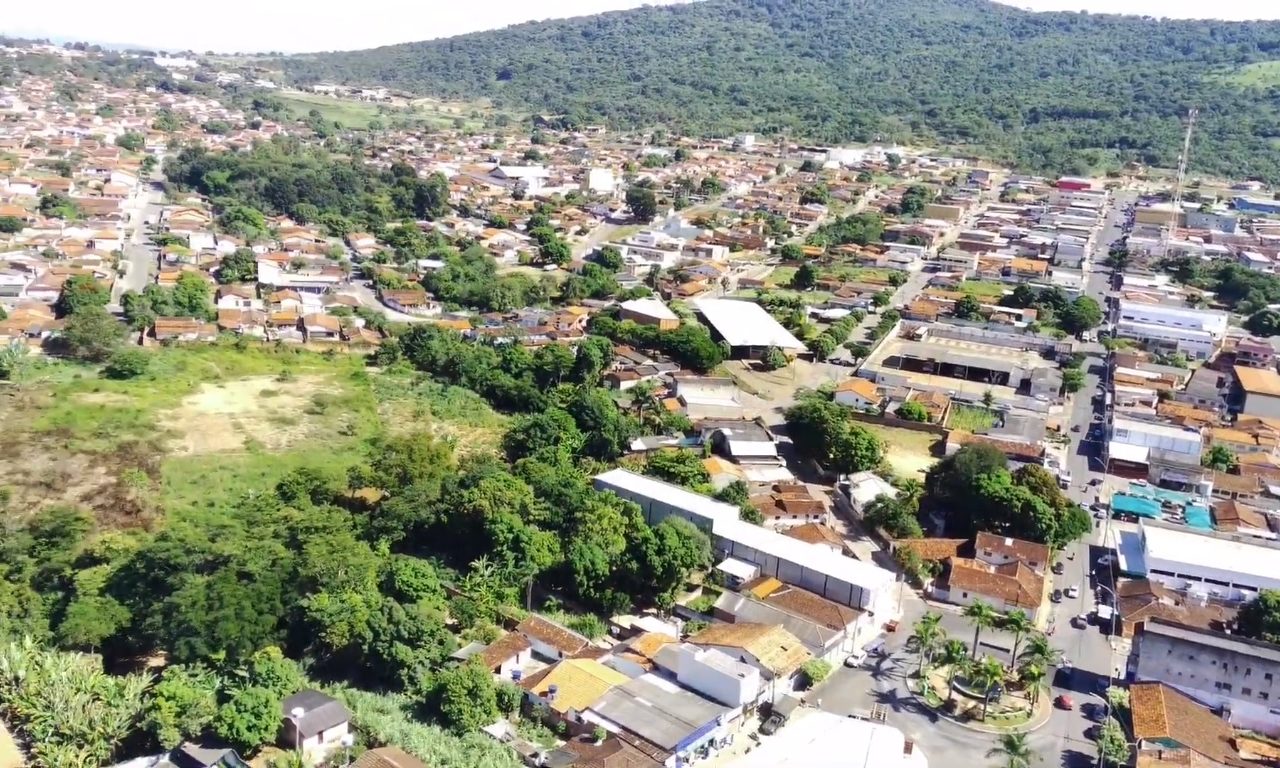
983, 616
80, 292
1012, 751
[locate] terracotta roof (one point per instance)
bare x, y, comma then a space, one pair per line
815, 533
502, 650
778, 650
860, 387
1007, 447
1013, 583
1230, 483
933, 549
388, 757
1258, 381
1026, 551
1141, 600
802, 603
649, 643
554, 635
1231, 515
1160, 712
612, 753
579, 683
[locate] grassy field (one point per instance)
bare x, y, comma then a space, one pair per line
983, 289
352, 113
811, 298
208, 424
971, 418
1260, 74
861, 274
909, 452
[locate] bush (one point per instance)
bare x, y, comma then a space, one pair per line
589, 626
127, 363
815, 671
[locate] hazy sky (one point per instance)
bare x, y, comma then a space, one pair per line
307, 25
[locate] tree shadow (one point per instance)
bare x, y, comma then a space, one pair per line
1074, 758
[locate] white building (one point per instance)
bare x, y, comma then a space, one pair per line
815, 739
712, 673
1238, 676
816, 568
903, 256
747, 328
600, 181
1196, 333
1209, 564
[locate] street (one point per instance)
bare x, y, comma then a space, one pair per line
1088, 651
140, 257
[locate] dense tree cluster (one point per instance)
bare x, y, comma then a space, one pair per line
309, 184
1063, 92
1054, 308
1239, 288
974, 491
690, 345
470, 279
822, 431
857, 228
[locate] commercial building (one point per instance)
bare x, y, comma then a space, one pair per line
677, 721
1260, 205
1162, 453
814, 567
1214, 565
1260, 391
747, 328
1240, 677
1196, 333
824, 739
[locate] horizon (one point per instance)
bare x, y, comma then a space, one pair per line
377, 23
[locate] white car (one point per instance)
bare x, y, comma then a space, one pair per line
856, 659
1073, 591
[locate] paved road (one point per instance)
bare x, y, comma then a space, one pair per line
141, 260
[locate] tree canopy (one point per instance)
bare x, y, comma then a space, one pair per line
1062, 92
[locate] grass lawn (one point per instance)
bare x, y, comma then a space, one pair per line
909, 452
983, 289
781, 276
1260, 74
208, 424
811, 298
862, 274
971, 418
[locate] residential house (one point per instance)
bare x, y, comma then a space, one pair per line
1014, 586
189, 755
790, 504
859, 393
585, 752
829, 631
1141, 600
711, 673
322, 328
1002, 550
314, 723
411, 302
549, 640
1255, 353
506, 656
1260, 390
820, 535
649, 311
1165, 719
657, 711
865, 487
566, 690
174, 329
770, 648
387, 757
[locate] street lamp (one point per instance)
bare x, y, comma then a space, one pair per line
296, 713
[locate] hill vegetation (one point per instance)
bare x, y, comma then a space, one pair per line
1052, 91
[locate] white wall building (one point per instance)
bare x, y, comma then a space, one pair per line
712, 673
1196, 333
1209, 564
819, 738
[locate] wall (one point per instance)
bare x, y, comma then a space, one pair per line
1262, 405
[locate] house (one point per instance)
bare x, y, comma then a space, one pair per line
189, 755
1014, 586
505, 656
649, 311
322, 328
388, 757
1261, 391
566, 689
1141, 600
314, 723
1255, 353
862, 488
183, 329
829, 631
659, 712
711, 673
859, 393
411, 302
1228, 672
789, 504
819, 534
585, 752
1163, 718
549, 640
770, 648
1002, 550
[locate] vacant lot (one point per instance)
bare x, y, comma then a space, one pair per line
909, 452
352, 113
983, 289
971, 418
206, 425
1260, 74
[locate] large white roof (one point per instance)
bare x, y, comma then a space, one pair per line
746, 324
825, 740
1253, 563
694, 503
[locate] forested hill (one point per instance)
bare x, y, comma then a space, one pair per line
1050, 90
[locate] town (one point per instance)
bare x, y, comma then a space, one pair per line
346, 429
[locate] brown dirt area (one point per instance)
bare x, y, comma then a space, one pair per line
227, 415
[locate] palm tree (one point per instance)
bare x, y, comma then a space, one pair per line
983, 617
1038, 651
925, 635
986, 675
954, 655
1032, 676
1019, 623
1013, 752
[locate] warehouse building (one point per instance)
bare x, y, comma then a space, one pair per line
747, 328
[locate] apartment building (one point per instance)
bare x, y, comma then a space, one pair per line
1196, 333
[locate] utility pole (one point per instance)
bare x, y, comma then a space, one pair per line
1178, 183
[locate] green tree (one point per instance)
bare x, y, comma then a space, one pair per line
1264, 323
11, 225
553, 428
893, 516
822, 431
983, 616
1072, 379
80, 292
1019, 624
968, 308
1038, 651
191, 297
1260, 617
955, 657
467, 697
181, 705
249, 719
127, 363
642, 202
679, 466
1081, 315
913, 411
1219, 458
804, 278
132, 141
1032, 677
240, 266
609, 257
91, 334
1113, 744
774, 359
925, 636
1012, 751
985, 675
815, 671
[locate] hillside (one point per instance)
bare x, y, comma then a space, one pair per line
1054, 91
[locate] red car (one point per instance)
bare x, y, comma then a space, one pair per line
1064, 702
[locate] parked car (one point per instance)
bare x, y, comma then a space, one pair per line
1056, 596
1058, 568
1080, 622
1073, 591
771, 725
855, 659
1063, 702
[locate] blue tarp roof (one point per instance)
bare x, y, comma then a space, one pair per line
1134, 505
1199, 517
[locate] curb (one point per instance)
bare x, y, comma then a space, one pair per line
978, 728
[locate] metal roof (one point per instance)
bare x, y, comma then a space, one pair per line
746, 324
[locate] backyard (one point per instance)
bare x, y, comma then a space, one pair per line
908, 451
971, 418
983, 289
